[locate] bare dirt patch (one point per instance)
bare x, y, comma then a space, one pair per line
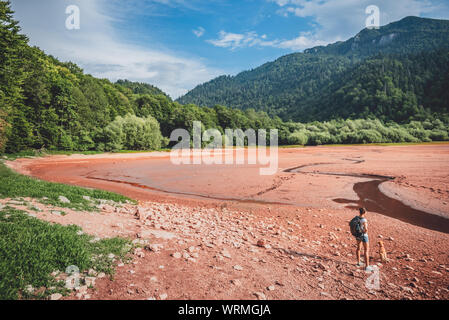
202, 224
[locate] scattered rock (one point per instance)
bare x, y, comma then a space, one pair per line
225, 253
238, 268
55, 296
90, 281
236, 282
260, 295
163, 296
82, 290
407, 289
63, 199
154, 247
177, 255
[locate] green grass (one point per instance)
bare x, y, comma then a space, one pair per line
14, 185
31, 249
37, 153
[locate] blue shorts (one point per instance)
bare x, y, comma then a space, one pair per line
363, 238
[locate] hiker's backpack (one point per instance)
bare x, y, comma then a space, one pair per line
356, 226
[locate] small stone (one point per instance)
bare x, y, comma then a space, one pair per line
87, 198
82, 289
238, 268
177, 255
55, 296
163, 296
271, 288
225, 253
192, 249
90, 281
63, 199
407, 289
260, 295
261, 243
236, 282
154, 247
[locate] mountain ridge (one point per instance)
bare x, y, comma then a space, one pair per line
282, 86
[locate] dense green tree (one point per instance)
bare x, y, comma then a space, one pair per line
133, 133
12, 47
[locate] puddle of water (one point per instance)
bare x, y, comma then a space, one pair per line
374, 200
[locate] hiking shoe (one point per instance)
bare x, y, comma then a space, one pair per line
369, 269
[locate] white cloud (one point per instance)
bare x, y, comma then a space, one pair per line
97, 48
251, 39
303, 41
199, 32
341, 19
235, 40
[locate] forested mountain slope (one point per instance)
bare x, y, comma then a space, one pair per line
405, 64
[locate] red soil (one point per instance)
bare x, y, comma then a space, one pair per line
216, 208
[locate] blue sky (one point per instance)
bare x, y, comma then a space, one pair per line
178, 44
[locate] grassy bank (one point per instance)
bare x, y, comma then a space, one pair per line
31, 250
14, 185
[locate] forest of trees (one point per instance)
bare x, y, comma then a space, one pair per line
48, 104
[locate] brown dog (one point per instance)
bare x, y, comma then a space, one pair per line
382, 252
